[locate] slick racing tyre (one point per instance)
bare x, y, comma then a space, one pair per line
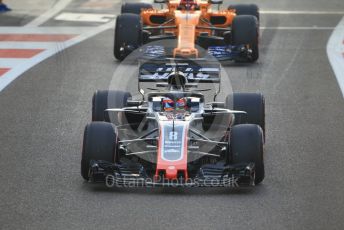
252, 103
128, 35
246, 146
99, 144
135, 8
246, 9
245, 31
105, 99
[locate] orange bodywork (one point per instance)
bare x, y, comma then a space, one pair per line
187, 23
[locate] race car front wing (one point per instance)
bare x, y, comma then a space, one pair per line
221, 53
134, 175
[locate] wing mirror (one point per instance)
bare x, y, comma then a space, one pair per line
216, 2
134, 103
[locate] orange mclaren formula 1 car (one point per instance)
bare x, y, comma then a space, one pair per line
194, 27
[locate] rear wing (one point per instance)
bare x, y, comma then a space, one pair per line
195, 71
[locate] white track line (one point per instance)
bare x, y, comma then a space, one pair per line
296, 28
60, 5
301, 12
10, 76
29, 45
335, 53
12, 62
45, 30
84, 17
19, 66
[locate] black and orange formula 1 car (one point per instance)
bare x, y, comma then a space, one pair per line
195, 27
174, 134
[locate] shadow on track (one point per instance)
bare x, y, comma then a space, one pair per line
168, 191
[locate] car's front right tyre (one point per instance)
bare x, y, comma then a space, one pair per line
135, 8
99, 144
128, 35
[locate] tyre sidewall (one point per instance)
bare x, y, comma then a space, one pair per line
128, 32
100, 143
246, 145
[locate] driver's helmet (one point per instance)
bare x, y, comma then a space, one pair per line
167, 105
187, 5
181, 105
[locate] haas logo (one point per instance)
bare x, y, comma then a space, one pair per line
173, 136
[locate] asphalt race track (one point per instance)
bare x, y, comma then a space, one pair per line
44, 111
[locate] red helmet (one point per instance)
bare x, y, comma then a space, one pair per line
169, 105
181, 104
187, 4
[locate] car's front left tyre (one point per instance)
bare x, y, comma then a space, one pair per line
245, 31
246, 9
246, 145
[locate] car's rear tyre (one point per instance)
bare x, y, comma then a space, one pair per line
135, 8
128, 35
246, 9
99, 144
252, 103
247, 146
105, 99
245, 31
113, 99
